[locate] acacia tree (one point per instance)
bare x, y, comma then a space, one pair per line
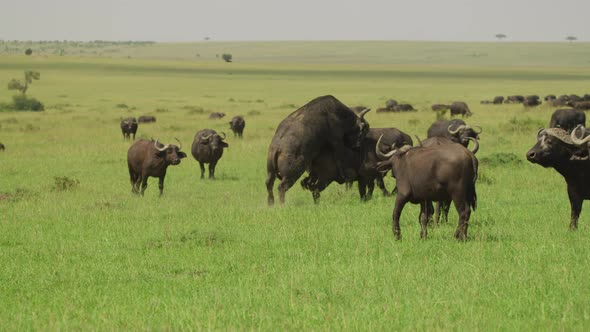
30, 75
226, 57
500, 36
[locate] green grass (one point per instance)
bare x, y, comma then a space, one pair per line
212, 255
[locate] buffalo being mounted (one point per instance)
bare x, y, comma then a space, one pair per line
128, 127
324, 125
436, 173
208, 148
148, 158
568, 155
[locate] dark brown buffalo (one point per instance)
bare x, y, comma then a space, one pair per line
498, 100
579, 105
2, 147
567, 119
456, 130
324, 125
439, 107
586, 97
216, 115
391, 103
237, 125
531, 101
208, 148
148, 158
146, 119
436, 173
516, 99
403, 108
549, 98
575, 98
460, 108
442, 208
557, 148
128, 127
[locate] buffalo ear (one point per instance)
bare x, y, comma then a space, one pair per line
181, 154
225, 145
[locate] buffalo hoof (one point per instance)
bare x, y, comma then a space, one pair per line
460, 235
397, 236
573, 227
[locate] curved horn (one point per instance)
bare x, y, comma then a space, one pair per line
453, 132
476, 148
363, 112
539, 132
381, 155
477, 129
179, 144
579, 140
206, 137
419, 141
222, 138
160, 149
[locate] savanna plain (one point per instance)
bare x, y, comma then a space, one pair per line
79, 251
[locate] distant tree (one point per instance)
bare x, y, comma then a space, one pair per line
30, 75
29, 51
207, 38
500, 36
226, 57
571, 38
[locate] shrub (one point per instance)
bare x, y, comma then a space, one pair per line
29, 51
226, 57
24, 103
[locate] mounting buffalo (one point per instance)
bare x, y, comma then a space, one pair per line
146, 119
362, 167
216, 115
148, 158
456, 130
567, 119
237, 125
460, 108
436, 173
568, 155
128, 127
324, 125
208, 148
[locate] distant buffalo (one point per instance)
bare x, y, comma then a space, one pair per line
216, 115
567, 119
516, 99
549, 98
579, 105
148, 158
208, 148
237, 125
460, 108
146, 119
531, 101
439, 107
128, 127
498, 100
391, 103
2, 147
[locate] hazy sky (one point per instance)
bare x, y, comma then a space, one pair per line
229, 20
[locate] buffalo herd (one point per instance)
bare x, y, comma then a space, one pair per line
334, 143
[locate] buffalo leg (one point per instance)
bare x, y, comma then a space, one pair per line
202, 170
381, 186
133, 178
400, 201
285, 184
144, 180
371, 187
445, 206
161, 184
134, 136
270, 181
576, 205
424, 208
212, 171
362, 189
464, 212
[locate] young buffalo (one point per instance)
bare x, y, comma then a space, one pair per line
148, 158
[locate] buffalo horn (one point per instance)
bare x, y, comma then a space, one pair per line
579, 140
222, 138
453, 132
476, 148
160, 149
381, 155
179, 144
363, 112
206, 137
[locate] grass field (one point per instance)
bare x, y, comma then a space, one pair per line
212, 255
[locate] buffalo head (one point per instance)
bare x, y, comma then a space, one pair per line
169, 152
215, 141
355, 138
553, 147
462, 132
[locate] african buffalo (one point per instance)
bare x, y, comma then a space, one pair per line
567, 119
237, 125
456, 130
439, 107
208, 148
549, 98
531, 101
460, 108
391, 103
436, 173
516, 99
561, 150
216, 115
324, 125
146, 119
498, 100
128, 127
148, 158
579, 105
2, 147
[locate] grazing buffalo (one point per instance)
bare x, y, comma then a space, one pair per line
439, 107
362, 167
460, 108
586, 97
403, 108
128, 127
391, 103
442, 208
148, 158
324, 125
237, 125
216, 115
498, 100
146, 119
561, 150
2, 147
531, 101
456, 130
579, 105
516, 99
575, 98
427, 174
567, 119
549, 98
208, 148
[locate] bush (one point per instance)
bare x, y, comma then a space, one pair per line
24, 103
29, 51
226, 57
